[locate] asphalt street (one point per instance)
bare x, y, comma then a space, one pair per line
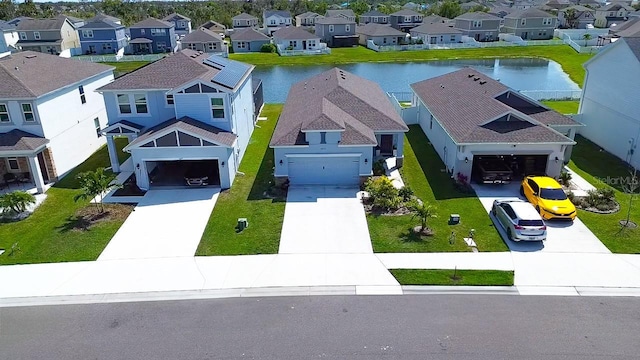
331, 327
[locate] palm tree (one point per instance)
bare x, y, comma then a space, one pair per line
424, 211
95, 184
586, 37
16, 202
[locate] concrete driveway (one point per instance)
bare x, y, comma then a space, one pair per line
324, 220
564, 237
166, 223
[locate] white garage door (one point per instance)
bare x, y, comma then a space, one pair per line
324, 170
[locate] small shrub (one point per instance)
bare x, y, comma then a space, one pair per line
607, 194
565, 178
268, 48
406, 193
382, 193
571, 196
593, 198
16, 202
603, 207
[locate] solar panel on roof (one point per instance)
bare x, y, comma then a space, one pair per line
231, 72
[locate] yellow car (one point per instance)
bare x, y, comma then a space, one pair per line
548, 198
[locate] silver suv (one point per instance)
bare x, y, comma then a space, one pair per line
519, 219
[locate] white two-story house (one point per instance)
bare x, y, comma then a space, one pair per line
188, 109
50, 116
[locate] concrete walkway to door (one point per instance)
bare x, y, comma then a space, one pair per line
166, 223
324, 220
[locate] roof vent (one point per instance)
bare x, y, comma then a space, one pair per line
31, 56
441, 86
471, 75
476, 78
17, 68
482, 82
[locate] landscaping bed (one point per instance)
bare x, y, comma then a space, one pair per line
453, 277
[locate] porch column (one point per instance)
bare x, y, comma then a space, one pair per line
36, 174
399, 149
113, 154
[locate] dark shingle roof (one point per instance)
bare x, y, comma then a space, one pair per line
211, 24
528, 13
634, 45
248, 34
16, 21
339, 13
432, 19
336, 100
173, 16
373, 29
18, 140
101, 24
374, 13
282, 13
334, 21
628, 29
308, 14
244, 16
101, 16
151, 23
6, 26
185, 123
293, 33
29, 74
435, 28
405, 12
140, 41
41, 24
477, 16
201, 35
474, 108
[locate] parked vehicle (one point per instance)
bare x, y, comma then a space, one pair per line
197, 174
519, 219
494, 170
548, 197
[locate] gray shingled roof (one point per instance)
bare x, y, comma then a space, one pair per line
374, 13
339, 13
248, 34
18, 140
41, 24
334, 21
467, 104
102, 16
185, 123
29, 74
373, 29
201, 35
140, 41
308, 14
405, 12
209, 24
477, 16
17, 20
435, 28
432, 19
528, 14
293, 33
615, 7
244, 16
634, 45
282, 13
6, 26
101, 24
151, 23
172, 16
336, 100
628, 29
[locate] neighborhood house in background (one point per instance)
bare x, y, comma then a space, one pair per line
151, 36
102, 35
51, 36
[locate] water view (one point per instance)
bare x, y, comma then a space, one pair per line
520, 74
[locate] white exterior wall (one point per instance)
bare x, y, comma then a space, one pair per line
17, 119
10, 38
440, 140
69, 124
609, 104
243, 120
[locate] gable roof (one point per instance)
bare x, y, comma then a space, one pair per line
578, 8
435, 28
173, 16
151, 23
202, 35
103, 16
374, 13
405, 12
210, 24
101, 24
293, 33
615, 7
634, 45
17, 20
185, 124
179, 69
336, 100
334, 21
628, 29
474, 108
41, 24
19, 140
373, 29
432, 19
4, 26
244, 16
340, 13
29, 74
308, 14
281, 13
476, 15
528, 13
248, 34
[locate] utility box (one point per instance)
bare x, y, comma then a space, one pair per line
242, 224
454, 219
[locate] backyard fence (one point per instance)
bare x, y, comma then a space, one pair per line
116, 58
553, 94
319, 51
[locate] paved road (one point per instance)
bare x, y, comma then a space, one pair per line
332, 327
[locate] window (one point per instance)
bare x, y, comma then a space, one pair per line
610, 13
523, 22
477, 23
158, 32
330, 28
273, 22
141, 103
27, 112
123, 104
241, 45
96, 123
181, 24
170, 100
36, 35
83, 98
212, 46
4, 114
107, 46
375, 19
191, 46
347, 28
161, 45
407, 19
23, 35
142, 31
323, 138
453, 38
87, 34
13, 163
547, 21
217, 108
293, 43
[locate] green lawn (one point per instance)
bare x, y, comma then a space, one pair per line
445, 277
123, 67
422, 172
46, 236
246, 199
596, 166
563, 54
564, 107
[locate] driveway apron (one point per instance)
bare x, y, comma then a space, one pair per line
166, 223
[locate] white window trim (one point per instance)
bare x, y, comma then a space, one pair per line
83, 95
146, 103
24, 113
6, 112
87, 34
170, 97
97, 126
36, 35
118, 103
9, 164
331, 29
218, 107
347, 27
23, 35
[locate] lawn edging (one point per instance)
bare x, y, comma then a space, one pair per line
454, 277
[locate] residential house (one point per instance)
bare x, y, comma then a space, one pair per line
405, 19
558, 4
436, 34
274, 20
614, 13
181, 23
201, 111
307, 19
336, 31
295, 38
345, 14
53, 36
589, 3
471, 5
16, 21
609, 102
495, 121
576, 17
215, 26
204, 40
244, 20
76, 22
411, 6
530, 24
332, 127
373, 16
248, 40
102, 36
379, 34
432, 19
479, 26
103, 16
9, 37
50, 115
152, 36
501, 11
628, 29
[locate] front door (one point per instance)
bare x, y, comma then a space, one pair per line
386, 145
43, 168
524, 35
304, 44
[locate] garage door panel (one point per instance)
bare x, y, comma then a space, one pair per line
324, 170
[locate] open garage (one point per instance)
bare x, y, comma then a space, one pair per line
519, 166
175, 173
325, 170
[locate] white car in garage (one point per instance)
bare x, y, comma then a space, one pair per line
519, 219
